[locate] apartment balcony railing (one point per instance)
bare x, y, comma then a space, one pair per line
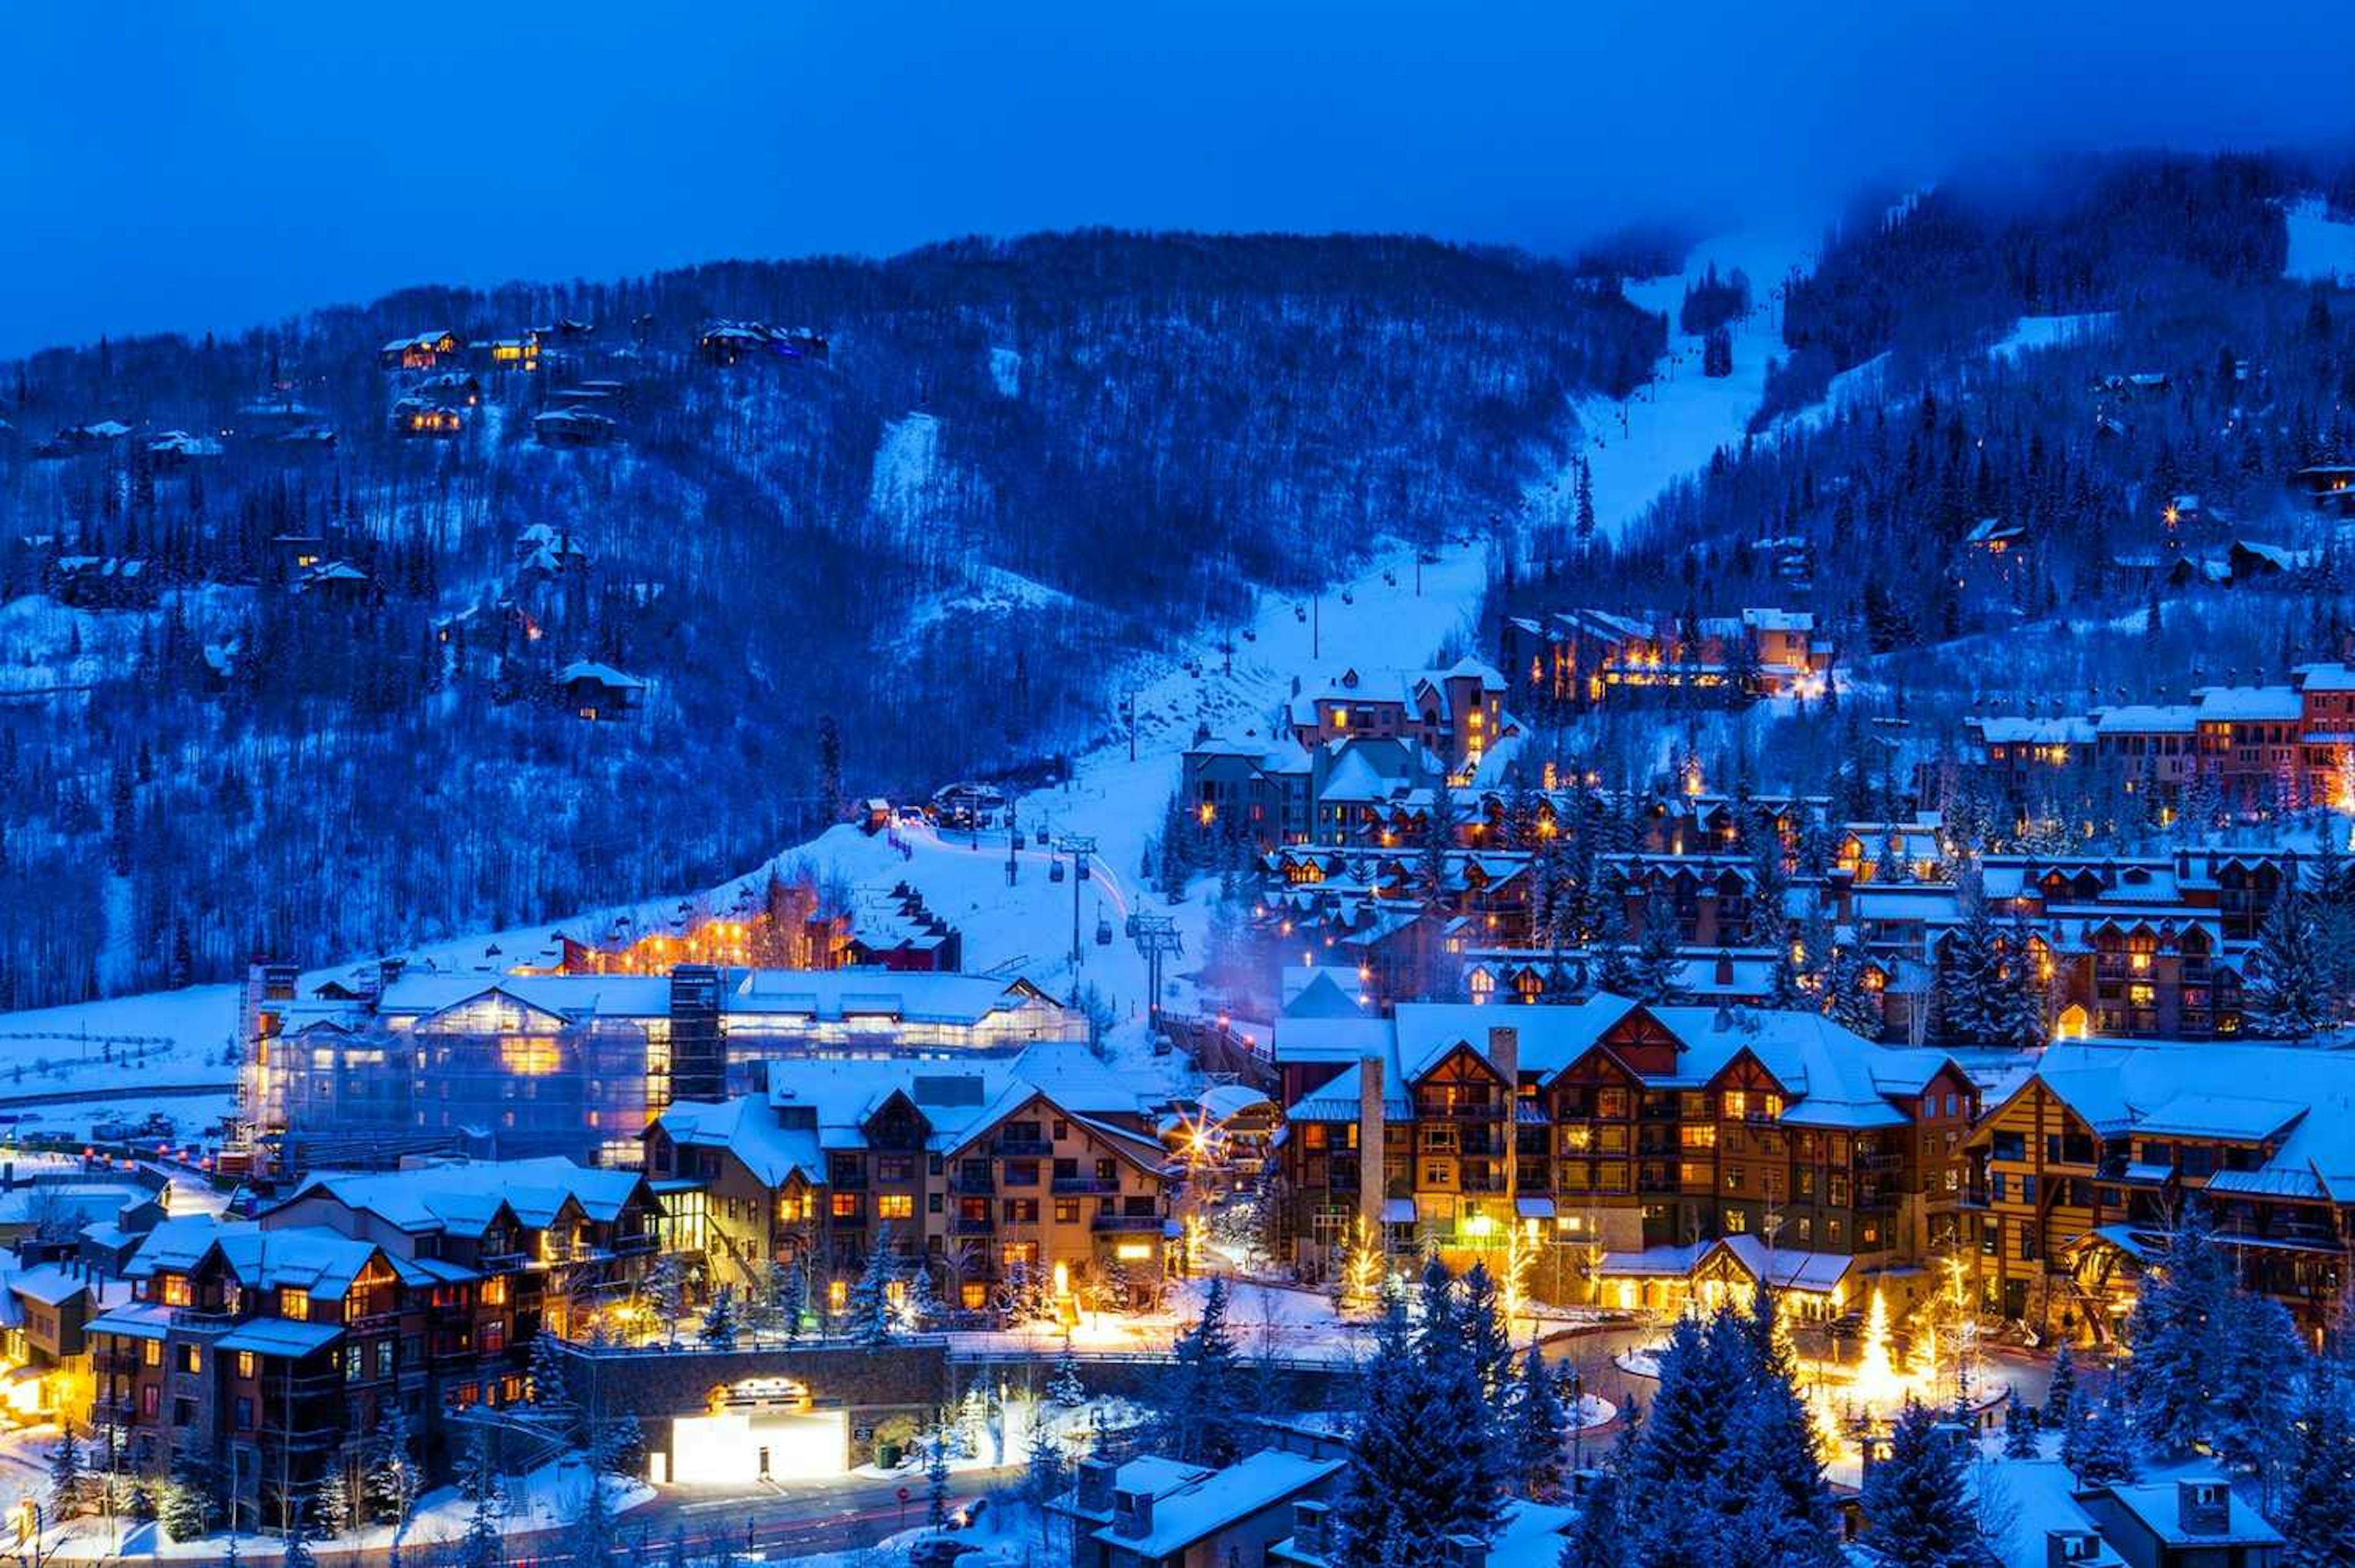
971, 1225
199, 1320
504, 1263
1024, 1148
1068, 1186
632, 1242
975, 1181
1153, 1222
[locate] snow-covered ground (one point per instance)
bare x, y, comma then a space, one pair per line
1669, 428
1391, 612
548, 1499
2322, 247
2034, 332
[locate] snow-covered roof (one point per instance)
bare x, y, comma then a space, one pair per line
1190, 1504
466, 1196
2156, 1506
603, 674
2248, 704
2147, 718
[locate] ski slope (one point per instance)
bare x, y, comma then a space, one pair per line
1394, 611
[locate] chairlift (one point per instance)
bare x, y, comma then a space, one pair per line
1040, 837
1347, 597
1103, 930
1300, 612
1083, 868
1055, 871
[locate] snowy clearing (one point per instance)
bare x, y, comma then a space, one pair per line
2322, 247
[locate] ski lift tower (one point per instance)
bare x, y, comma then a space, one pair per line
1157, 937
1078, 846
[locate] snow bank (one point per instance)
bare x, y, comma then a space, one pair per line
2322, 247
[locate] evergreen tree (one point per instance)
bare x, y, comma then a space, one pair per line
2318, 1516
1916, 1499
1848, 1002
394, 1477
1373, 1521
65, 1473
333, 1502
1658, 968
2106, 1446
936, 1477
191, 1496
1065, 1388
1970, 987
2019, 1428
869, 1310
2255, 1339
720, 1330
546, 1393
2176, 1329
1539, 1429
482, 1545
2291, 998
1201, 1400
298, 1553
2061, 1392
590, 1537
1462, 1486
789, 1296
1598, 1539
1488, 1338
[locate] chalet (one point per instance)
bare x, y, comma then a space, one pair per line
177, 449
1586, 656
337, 583
1034, 1173
2327, 487
296, 553
2080, 1170
574, 427
1457, 714
422, 352
81, 440
2185, 1521
730, 342
103, 582
271, 417
419, 416
513, 353
967, 805
599, 692
1621, 1142
545, 552
2254, 560
1995, 536
451, 389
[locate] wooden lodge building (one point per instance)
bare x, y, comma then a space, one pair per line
1636, 1151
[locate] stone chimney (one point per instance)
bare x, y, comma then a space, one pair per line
1095, 1485
2203, 1508
1725, 966
1505, 1056
1369, 1142
1308, 1526
1132, 1514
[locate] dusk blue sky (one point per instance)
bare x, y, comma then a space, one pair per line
213, 165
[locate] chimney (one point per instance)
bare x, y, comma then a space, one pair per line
1465, 1551
388, 970
1505, 1056
2062, 1547
1369, 1142
2203, 1508
1095, 1485
1132, 1514
1308, 1528
1725, 966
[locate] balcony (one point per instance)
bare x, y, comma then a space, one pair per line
1024, 1148
1491, 1111
980, 1182
631, 1241
197, 1320
1881, 1162
1079, 1186
503, 1262
971, 1225
1127, 1222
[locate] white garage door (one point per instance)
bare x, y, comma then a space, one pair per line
736, 1450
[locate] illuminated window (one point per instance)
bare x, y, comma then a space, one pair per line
895, 1206
838, 1295
846, 1205
974, 1295
1340, 719
495, 1291
175, 1291
895, 1292
151, 1353
245, 1363
294, 1303
1132, 1252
